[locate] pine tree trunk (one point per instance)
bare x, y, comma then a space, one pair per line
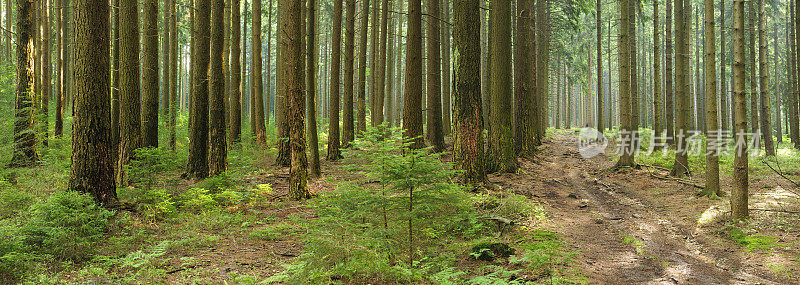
24, 117
174, 71
150, 88
198, 142
257, 95
115, 94
723, 76
218, 152
380, 80
600, 124
710, 60
794, 121
9, 28
468, 143
44, 25
362, 67
334, 153
739, 192
501, 156
657, 95
634, 73
292, 55
764, 115
92, 169
523, 91
752, 91
625, 105
434, 79
446, 68
542, 64
348, 131
311, 85
373, 65
390, 71
236, 75
165, 55
682, 119
668, 74
130, 96
412, 95
59, 120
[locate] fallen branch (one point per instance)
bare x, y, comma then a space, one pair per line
784, 177
657, 167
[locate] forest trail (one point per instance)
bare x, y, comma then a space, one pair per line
628, 227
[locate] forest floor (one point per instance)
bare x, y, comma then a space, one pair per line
619, 226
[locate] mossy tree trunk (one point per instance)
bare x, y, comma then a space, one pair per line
257, 96
740, 188
502, 157
764, 114
412, 96
150, 68
311, 86
625, 105
710, 60
348, 131
218, 152
523, 89
234, 135
434, 79
362, 67
129, 88
334, 153
198, 142
291, 27
468, 143
24, 104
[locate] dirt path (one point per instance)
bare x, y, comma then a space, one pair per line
629, 227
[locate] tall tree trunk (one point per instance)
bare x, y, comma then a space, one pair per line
362, 67
398, 64
502, 157
44, 24
150, 88
130, 96
8, 33
600, 124
412, 96
380, 71
59, 120
291, 28
523, 91
311, 85
25, 104
68, 70
543, 64
634, 81
752, 91
257, 95
236, 75
710, 60
218, 152
485, 63
468, 153
739, 192
92, 169
446, 68
115, 94
657, 95
390, 71
682, 119
723, 75
668, 74
348, 132
794, 122
165, 55
373, 64
434, 79
765, 116
174, 69
625, 69
336, 60
198, 142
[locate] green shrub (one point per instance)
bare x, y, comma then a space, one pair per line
153, 203
12, 200
66, 226
150, 163
14, 256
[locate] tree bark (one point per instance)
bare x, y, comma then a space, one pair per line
682, 119
311, 85
523, 91
257, 95
739, 192
468, 144
764, 115
752, 91
130, 96
218, 152
59, 120
174, 71
291, 27
501, 157
24, 115
115, 94
380, 71
447, 67
668, 74
150, 88
794, 122
348, 132
657, 95
92, 169
198, 142
434, 79
723, 75
334, 153
542, 64
236, 75
625, 69
362, 67
600, 124
412, 96
710, 60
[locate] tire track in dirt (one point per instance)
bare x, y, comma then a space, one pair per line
657, 249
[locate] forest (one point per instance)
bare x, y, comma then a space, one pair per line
399, 142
